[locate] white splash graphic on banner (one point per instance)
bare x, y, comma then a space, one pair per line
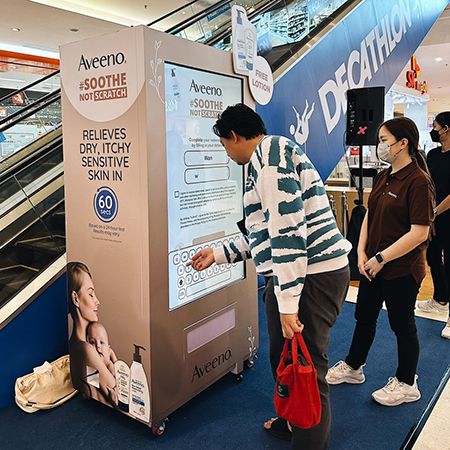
301, 131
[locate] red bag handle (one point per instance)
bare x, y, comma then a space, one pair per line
296, 340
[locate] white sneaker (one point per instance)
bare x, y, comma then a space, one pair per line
431, 306
446, 331
341, 372
395, 393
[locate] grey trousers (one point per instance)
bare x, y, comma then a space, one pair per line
320, 303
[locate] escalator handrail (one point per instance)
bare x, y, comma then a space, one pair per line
31, 159
32, 108
171, 13
16, 160
28, 86
197, 17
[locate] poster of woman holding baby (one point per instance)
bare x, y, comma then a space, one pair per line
92, 358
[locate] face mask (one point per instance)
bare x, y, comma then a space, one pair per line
435, 135
384, 154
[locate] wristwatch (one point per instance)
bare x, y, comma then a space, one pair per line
379, 258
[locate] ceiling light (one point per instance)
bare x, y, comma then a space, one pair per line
15, 29
438, 59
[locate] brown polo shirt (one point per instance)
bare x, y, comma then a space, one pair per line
396, 202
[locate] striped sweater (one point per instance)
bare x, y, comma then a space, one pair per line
291, 229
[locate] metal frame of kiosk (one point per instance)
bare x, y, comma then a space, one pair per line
140, 156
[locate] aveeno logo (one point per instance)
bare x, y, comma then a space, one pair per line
210, 365
204, 89
112, 59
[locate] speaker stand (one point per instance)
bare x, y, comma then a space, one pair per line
360, 184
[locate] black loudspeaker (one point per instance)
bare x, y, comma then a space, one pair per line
365, 113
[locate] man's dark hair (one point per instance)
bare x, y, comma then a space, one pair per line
242, 120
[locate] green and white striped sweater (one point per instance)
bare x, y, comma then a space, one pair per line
291, 228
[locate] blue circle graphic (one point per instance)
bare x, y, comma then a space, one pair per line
106, 204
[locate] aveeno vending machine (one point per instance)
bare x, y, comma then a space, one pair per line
147, 185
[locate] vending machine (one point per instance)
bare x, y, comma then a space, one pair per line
147, 185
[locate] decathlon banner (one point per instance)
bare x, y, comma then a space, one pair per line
369, 47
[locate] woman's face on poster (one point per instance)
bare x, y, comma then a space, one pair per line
86, 300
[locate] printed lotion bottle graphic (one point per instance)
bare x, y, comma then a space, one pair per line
175, 85
250, 48
240, 41
139, 395
122, 372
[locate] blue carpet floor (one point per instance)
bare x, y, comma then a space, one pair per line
229, 415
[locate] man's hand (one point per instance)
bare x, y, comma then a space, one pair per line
202, 260
290, 324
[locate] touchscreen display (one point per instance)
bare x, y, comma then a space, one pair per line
204, 187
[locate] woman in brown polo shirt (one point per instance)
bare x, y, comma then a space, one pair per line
391, 260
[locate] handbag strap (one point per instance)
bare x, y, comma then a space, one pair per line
285, 352
296, 341
298, 338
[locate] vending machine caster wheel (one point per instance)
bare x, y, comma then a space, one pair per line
159, 428
239, 377
249, 364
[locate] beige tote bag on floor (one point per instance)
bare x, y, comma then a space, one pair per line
47, 387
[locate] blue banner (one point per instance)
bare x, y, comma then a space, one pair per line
369, 47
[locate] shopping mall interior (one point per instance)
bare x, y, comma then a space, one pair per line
62, 199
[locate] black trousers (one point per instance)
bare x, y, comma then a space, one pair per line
320, 303
400, 297
438, 258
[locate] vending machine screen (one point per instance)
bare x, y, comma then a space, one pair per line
204, 186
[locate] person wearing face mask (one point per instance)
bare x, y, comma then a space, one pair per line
391, 260
438, 160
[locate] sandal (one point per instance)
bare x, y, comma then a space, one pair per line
279, 428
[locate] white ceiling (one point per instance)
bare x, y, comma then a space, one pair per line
46, 24
44, 27
125, 12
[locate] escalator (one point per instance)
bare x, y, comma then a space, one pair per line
32, 223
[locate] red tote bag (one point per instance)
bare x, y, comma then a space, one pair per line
296, 396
